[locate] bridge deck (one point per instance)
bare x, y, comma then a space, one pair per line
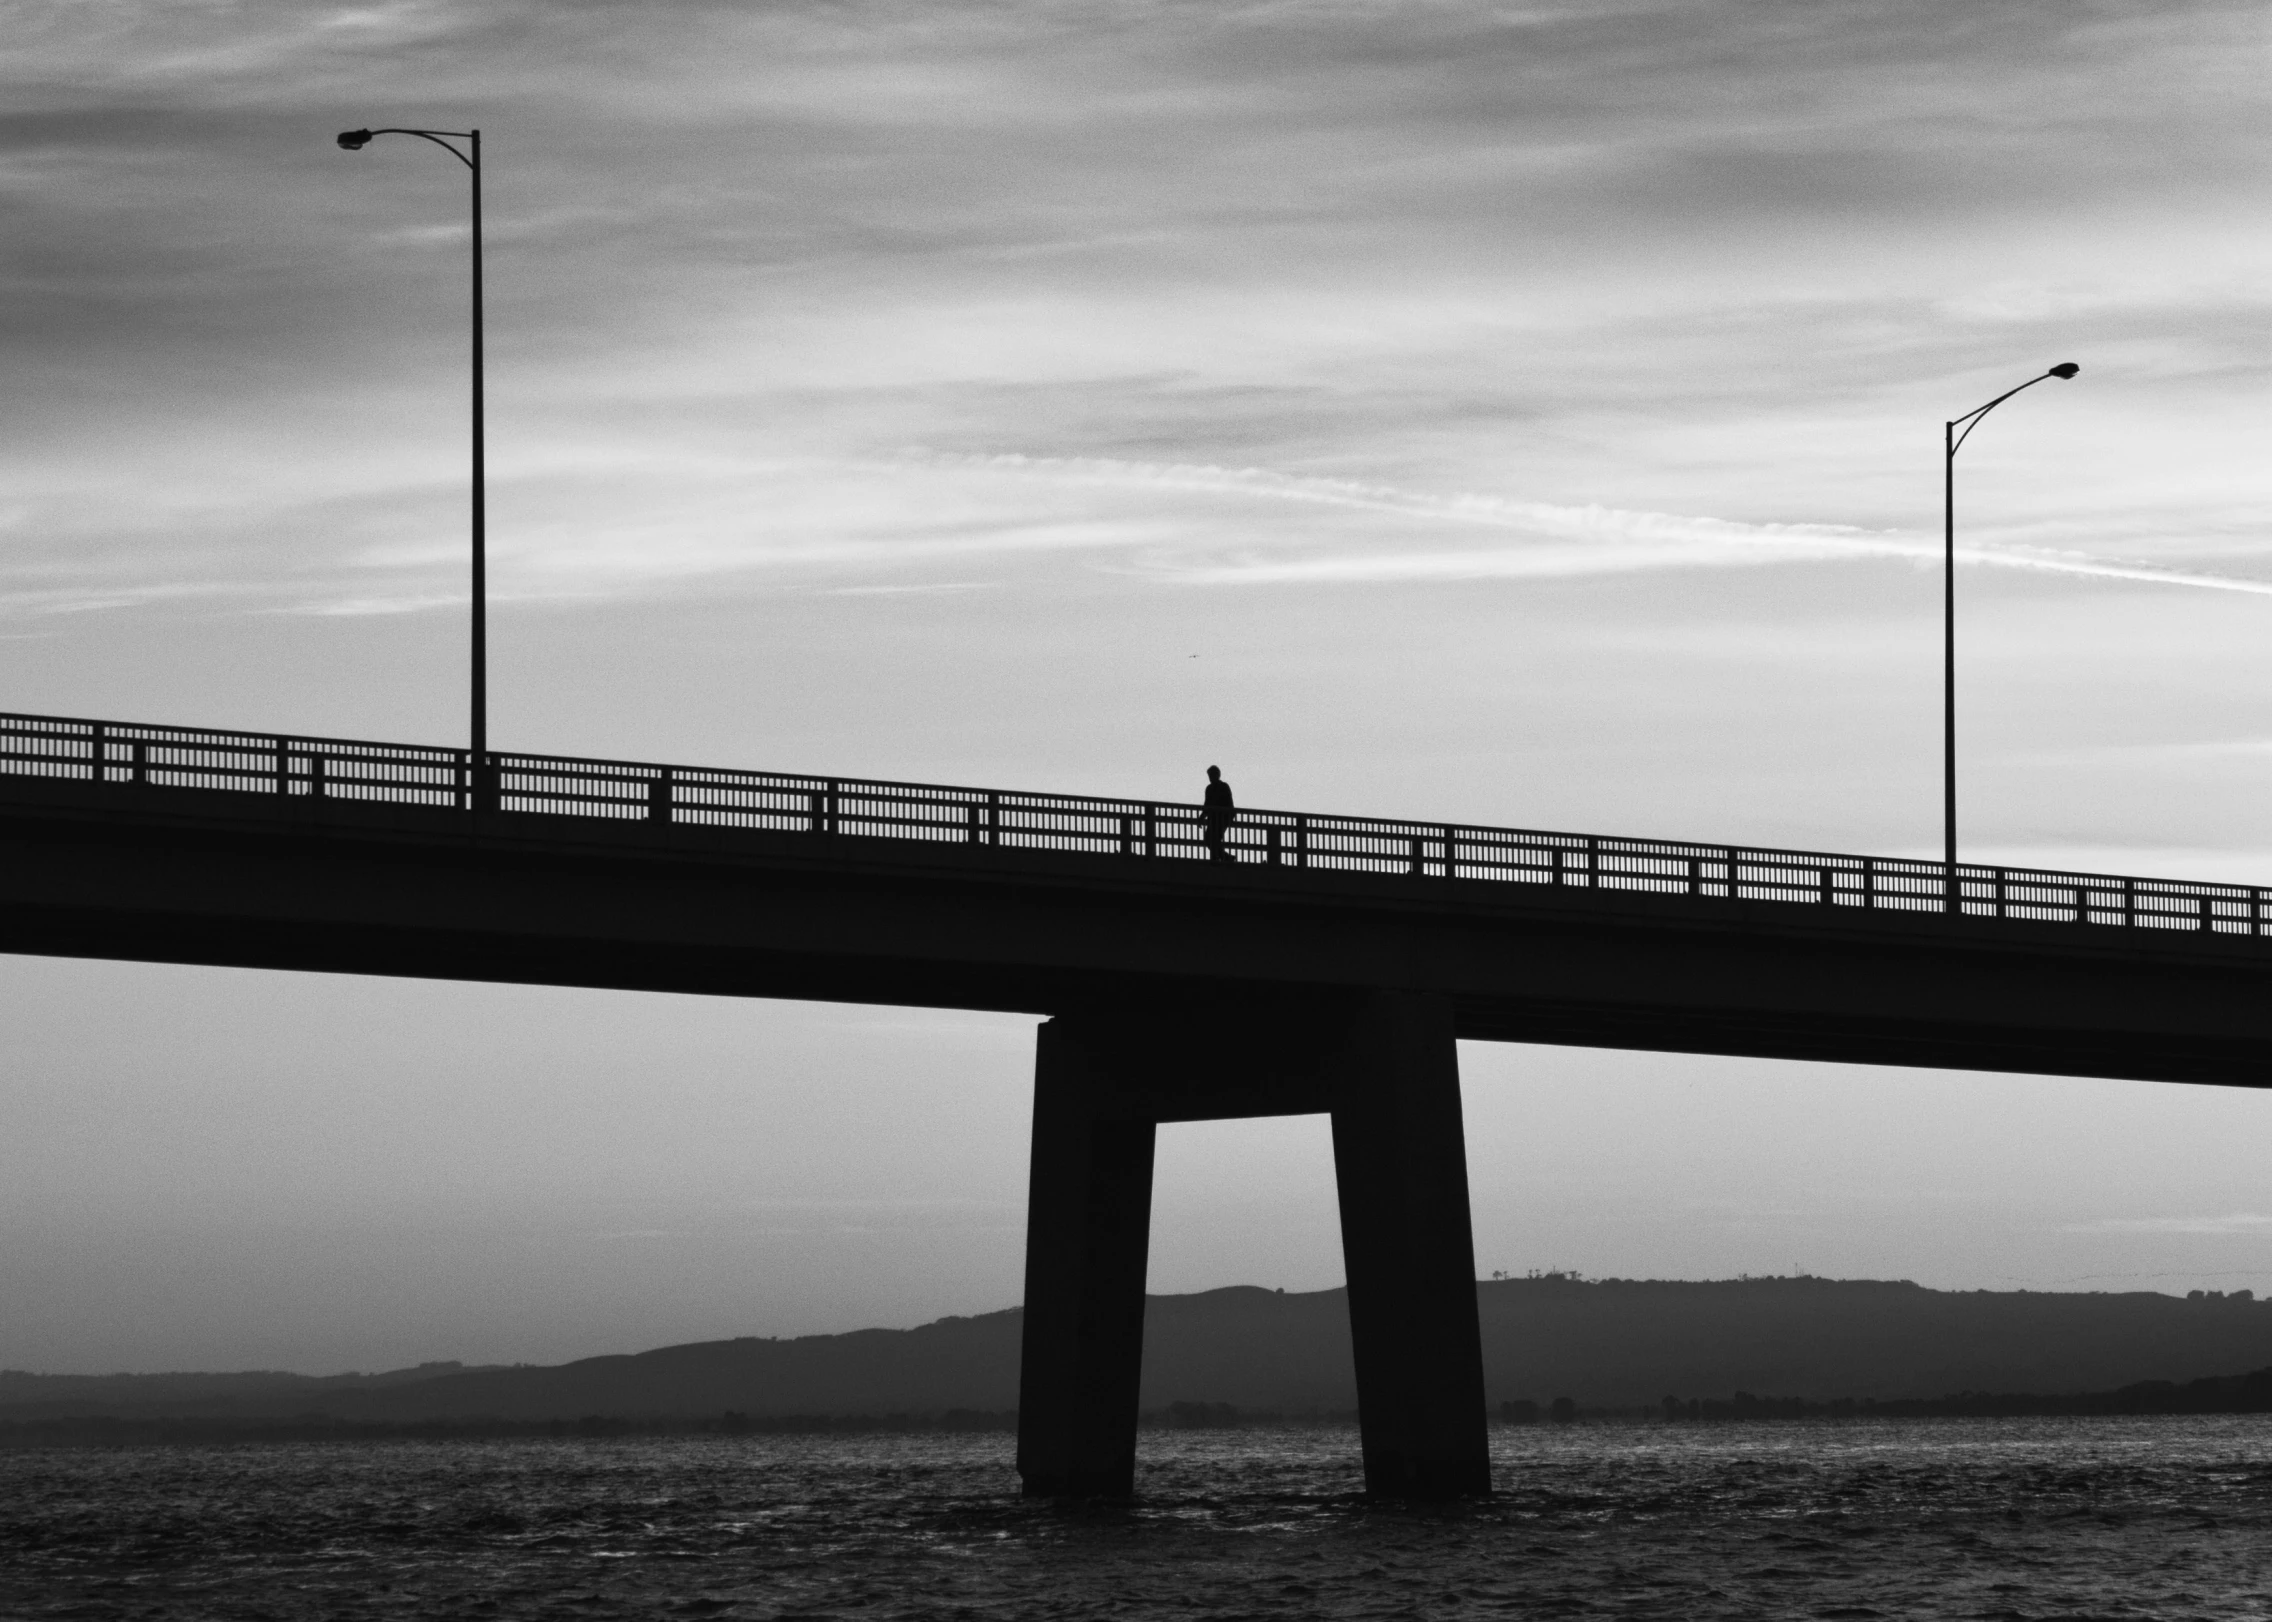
174, 844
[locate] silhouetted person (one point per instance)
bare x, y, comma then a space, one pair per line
1216, 811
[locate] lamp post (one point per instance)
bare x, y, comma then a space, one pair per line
1953, 436
482, 787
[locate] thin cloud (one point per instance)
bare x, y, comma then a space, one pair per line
1588, 522
2239, 1222
921, 589
354, 607
1614, 540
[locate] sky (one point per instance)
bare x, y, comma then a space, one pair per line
1523, 414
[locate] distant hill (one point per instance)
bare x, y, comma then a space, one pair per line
1630, 1343
1619, 1342
1609, 1343
256, 1391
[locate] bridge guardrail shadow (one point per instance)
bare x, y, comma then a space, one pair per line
128, 753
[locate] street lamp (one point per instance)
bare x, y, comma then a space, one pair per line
482, 789
1951, 442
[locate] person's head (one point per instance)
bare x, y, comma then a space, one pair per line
1214, 774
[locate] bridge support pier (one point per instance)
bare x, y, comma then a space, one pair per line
1088, 1226
1408, 1248
1387, 1069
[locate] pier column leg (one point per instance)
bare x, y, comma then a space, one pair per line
1088, 1222
1400, 1157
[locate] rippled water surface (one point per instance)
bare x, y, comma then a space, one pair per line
1955, 1518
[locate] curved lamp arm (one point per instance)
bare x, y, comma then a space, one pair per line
1971, 419
356, 140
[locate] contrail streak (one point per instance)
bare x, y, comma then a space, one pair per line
1610, 539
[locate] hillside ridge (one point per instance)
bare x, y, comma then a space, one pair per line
1608, 1343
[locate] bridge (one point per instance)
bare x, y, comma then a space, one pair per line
1328, 965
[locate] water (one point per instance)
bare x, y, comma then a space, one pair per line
1929, 1518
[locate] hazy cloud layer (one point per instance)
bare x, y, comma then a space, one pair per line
1722, 263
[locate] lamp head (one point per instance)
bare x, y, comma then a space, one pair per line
354, 140
2065, 368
